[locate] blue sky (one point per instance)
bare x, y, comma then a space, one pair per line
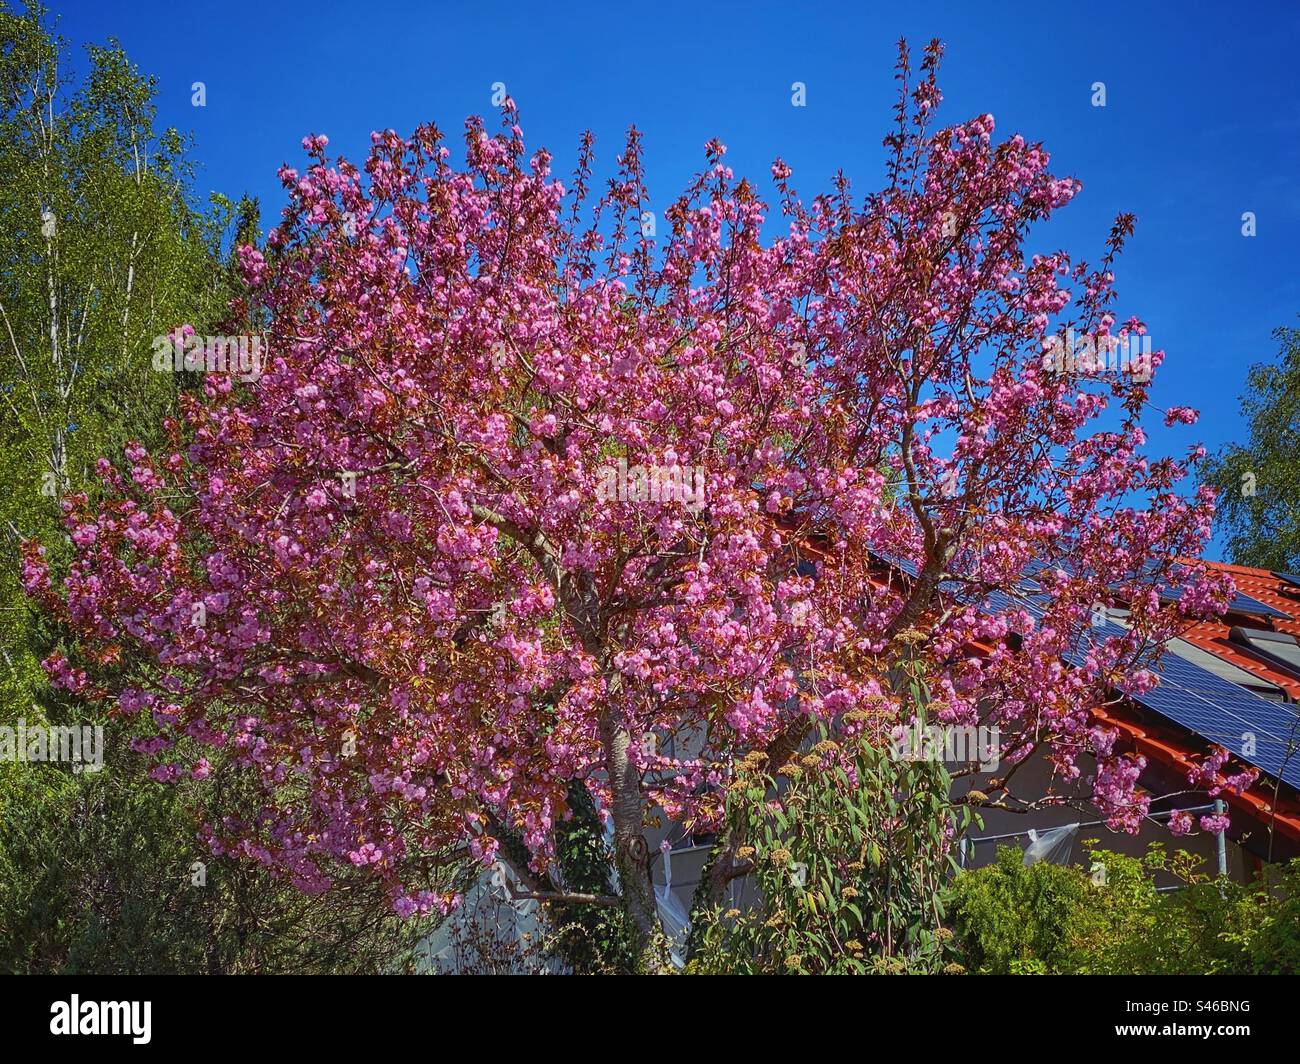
1201, 123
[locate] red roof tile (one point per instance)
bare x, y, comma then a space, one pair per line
1272, 590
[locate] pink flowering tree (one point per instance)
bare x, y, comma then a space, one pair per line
524, 493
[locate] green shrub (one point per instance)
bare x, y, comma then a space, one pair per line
1048, 919
850, 865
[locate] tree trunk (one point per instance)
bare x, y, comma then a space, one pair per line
631, 852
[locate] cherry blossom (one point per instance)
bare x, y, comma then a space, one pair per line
421, 616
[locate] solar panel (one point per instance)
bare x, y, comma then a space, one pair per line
950, 586
1247, 604
1034, 567
900, 563
1001, 602
1291, 578
1187, 694
1241, 603
1218, 710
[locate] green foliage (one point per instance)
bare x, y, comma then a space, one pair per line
1259, 482
101, 250
1016, 919
577, 938
587, 939
850, 867
1050, 919
97, 874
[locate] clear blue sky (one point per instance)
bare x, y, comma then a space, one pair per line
1201, 123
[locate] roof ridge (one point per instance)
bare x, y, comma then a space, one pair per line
1231, 567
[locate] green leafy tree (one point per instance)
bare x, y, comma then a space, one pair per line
587, 939
102, 250
1024, 920
851, 864
1259, 481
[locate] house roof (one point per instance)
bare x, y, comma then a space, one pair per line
1278, 591
1267, 603
1164, 726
